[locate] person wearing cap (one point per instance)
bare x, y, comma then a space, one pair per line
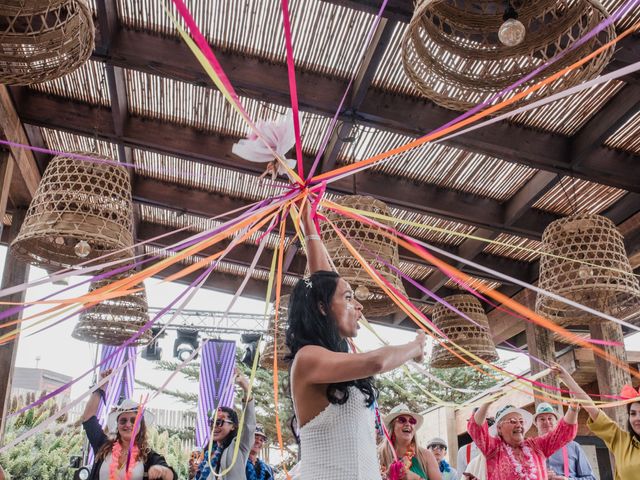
568, 463
414, 462
256, 468
218, 462
511, 456
439, 448
112, 454
623, 443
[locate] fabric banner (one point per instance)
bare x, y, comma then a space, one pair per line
216, 383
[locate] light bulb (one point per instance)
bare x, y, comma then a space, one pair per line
362, 292
82, 249
512, 32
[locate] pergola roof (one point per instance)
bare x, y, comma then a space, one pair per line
143, 98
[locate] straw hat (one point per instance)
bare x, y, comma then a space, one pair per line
506, 410
402, 409
127, 406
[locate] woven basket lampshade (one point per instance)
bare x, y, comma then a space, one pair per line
607, 284
80, 211
452, 54
114, 321
372, 245
42, 40
266, 359
476, 339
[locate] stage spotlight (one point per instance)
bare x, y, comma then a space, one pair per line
185, 344
153, 351
251, 340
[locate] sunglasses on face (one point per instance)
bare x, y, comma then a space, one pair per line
402, 420
220, 422
438, 447
125, 420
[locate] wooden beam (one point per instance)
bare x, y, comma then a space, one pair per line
11, 128
541, 347
15, 273
6, 176
191, 144
320, 94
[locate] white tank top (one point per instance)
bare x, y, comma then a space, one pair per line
340, 442
136, 474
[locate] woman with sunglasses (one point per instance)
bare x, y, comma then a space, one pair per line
416, 463
218, 456
332, 390
113, 455
511, 456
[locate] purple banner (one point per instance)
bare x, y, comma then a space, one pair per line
216, 383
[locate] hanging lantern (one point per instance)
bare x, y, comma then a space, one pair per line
474, 338
377, 249
584, 260
462, 53
80, 211
114, 321
266, 359
43, 39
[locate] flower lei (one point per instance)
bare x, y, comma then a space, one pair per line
116, 452
444, 466
400, 467
529, 471
251, 470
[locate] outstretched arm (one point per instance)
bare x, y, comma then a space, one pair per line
317, 256
322, 366
481, 414
576, 392
91, 408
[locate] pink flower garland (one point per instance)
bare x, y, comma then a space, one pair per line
528, 471
116, 452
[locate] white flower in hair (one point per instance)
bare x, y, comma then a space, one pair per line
279, 135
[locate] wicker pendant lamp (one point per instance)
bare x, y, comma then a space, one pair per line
42, 40
476, 339
372, 245
607, 284
114, 321
81, 210
266, 359
453, 51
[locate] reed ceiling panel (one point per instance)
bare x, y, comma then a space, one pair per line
326, 38
198, 224
60, 141
573, 195
206, 109
86, 84
438, 164
514, 247
627, 137
204, 177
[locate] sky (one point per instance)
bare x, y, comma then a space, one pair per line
55, 349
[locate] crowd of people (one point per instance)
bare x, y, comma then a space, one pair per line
335, 401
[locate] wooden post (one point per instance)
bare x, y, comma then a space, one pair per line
611, 378
15, 273
6, 173
540, 344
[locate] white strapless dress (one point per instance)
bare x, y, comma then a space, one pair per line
340, 443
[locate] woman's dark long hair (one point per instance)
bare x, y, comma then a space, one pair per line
307, 325
633, 433
233, 417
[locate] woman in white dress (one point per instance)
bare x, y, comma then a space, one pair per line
333, 390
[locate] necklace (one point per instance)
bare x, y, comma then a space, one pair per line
526, 471
116, 453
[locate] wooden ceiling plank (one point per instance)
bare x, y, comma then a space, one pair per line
320, 94
191, 144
